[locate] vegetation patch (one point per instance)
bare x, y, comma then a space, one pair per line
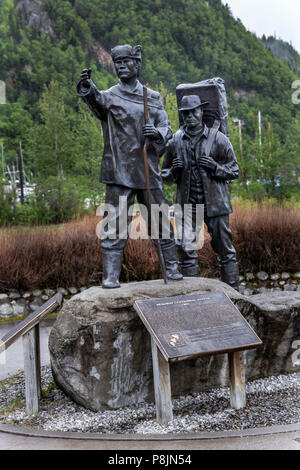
266, 238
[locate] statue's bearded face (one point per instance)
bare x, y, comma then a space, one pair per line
127, 68
193, 117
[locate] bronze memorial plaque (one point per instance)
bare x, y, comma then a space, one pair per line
196, 325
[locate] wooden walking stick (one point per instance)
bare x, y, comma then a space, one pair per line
157, 242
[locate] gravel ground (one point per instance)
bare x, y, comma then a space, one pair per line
271, 401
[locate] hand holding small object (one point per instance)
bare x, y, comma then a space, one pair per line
177, 163
86, 77
150, 131
207, 162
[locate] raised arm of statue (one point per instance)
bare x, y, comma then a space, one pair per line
86, 77
90, 94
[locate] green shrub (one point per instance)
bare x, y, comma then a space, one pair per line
57, 200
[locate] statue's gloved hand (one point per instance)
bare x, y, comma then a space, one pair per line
207, 162
151, 132
85, 77
177, 163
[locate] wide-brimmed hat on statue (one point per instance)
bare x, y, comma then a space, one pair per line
190, 102
126, 51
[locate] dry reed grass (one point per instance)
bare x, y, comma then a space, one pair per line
56, 256
265, 238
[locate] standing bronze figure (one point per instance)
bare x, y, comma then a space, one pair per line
122, 115
201, 161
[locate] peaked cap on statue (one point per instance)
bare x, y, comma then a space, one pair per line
126, 51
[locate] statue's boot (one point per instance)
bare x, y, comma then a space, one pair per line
188, 261
190, 271
230, 275
112, 264
171, 262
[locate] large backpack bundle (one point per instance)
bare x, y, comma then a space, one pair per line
213, 91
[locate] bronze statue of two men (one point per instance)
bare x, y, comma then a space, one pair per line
201, 173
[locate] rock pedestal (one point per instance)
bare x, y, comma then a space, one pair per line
101, 353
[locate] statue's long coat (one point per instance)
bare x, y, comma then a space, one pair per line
122, 118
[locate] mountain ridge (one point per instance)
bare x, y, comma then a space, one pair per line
283, 50
182, 40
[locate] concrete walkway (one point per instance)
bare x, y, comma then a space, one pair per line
273, 438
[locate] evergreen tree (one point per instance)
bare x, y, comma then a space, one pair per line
51, 140
87, 150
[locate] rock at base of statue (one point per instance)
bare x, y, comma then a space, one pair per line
101, 352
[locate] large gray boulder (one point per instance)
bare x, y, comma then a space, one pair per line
100, 350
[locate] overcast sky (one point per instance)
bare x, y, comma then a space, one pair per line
270, 16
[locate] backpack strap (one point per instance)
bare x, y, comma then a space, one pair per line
212, 136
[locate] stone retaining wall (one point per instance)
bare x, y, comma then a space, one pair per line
20, 304
252, 284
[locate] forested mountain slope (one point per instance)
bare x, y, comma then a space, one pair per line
182, 40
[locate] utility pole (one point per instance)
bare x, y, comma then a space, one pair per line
21, 173
14, 176
240, 136
3, 163
259, 128
14, 186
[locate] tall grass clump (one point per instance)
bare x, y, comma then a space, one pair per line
54, 256
266, 238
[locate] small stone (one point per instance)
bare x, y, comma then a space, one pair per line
62, 291
290, 287
72, 290
3, 297
282, 283
241, 278
262, 276
285, 276
49, 292
14, 295
37, 303
275, 277
297, 276
19, 308
37, 293
250, 276
6, 311
26, 295
45, 297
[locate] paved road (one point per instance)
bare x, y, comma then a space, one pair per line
254, 441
